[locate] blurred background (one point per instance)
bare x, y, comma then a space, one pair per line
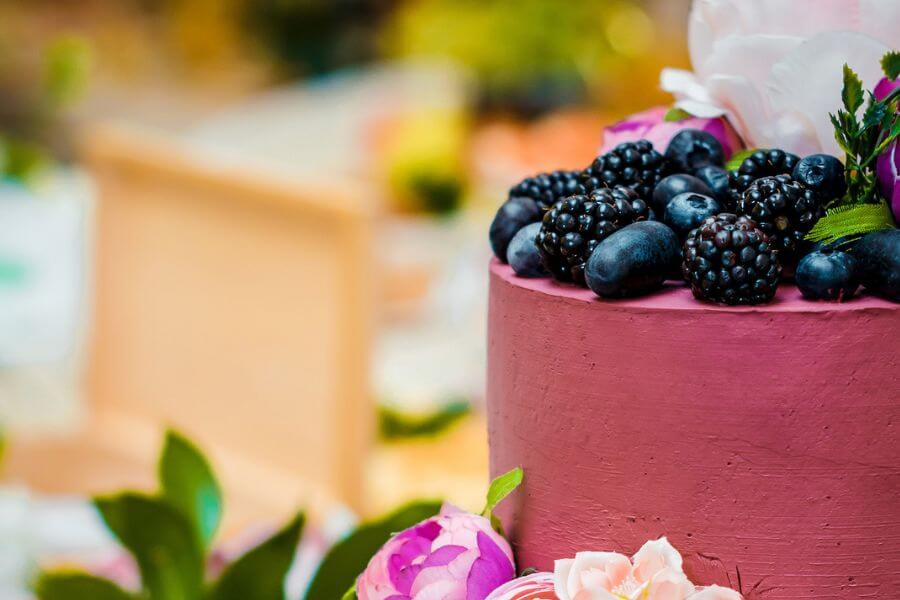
264, 222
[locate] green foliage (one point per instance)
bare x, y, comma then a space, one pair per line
64, 585
162, 542
351, 594
851, 221
188, 483
890, 63
735, 161
349, 557
675, 114
168, 535
395, 425
864, 140
260, 573
501, 487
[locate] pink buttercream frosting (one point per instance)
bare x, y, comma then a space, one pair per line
762, 441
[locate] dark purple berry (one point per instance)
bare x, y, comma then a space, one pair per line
692, 149
722, 261
633, 261
827, 275
822, 173
523, 255
686, 211
573, 227
671, 186
513, 215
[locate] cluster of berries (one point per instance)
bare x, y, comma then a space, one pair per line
636, 217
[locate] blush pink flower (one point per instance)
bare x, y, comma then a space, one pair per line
651, 125
453, 556
538, 586
653, 573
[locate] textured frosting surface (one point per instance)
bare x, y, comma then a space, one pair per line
763, 441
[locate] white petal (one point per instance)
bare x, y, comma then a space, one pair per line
795, 133
751, 56
612, 564
700, 109
809, 79
561, 570
715, 592
802, 18
655, 556
746, 108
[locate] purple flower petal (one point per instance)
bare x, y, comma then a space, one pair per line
443, 556
489, 571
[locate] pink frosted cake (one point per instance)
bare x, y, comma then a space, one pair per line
761, 440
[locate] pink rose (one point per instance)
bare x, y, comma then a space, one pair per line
453, 556
653, 573
651, 125
533, 587
888, 166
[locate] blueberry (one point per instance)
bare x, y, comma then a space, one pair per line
822, 173
523, 254
633, 261
827, 275
878, 254
691, 149
512, 216
673, 185
687, 211
716, 179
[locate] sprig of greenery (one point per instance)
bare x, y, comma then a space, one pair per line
851, 221
864, 139
169, 535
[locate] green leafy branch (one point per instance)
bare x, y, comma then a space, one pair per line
169, 535
864, 139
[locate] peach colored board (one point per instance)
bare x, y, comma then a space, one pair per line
234, 306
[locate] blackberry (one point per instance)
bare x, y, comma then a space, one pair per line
762, 163
728, 259
785, 210
547, 188
574, 226
632, 164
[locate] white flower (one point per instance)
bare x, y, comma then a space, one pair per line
774, 68
653, 573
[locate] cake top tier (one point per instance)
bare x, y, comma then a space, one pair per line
677, 296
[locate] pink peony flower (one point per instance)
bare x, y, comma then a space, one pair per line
453, 556
888, 166
653, 573
533, 587
775, 67
651, 125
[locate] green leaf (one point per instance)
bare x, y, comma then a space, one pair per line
875, 113
502, 487
738, 157
77, 586
188, 483
851, 221
852, 93
162, 542
890, 63
395, 425
260, 573
351, 593
676, 114
349, 557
